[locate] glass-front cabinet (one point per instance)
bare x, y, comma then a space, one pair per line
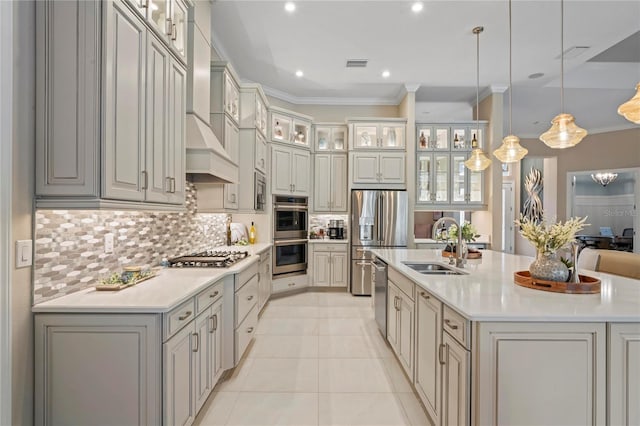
169, 19
380, 135
442, 178
290, 127
330, 138
433, 178
231, 98
301, 131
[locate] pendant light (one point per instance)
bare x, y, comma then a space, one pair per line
631, 109
510, 151
478, 160
564, 132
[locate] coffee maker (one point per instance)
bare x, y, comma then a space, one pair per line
336, 229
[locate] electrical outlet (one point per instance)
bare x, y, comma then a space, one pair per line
108, 243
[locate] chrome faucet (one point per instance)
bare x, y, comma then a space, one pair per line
459, 256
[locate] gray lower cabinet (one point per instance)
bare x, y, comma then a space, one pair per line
428, 362
118, 141
455, 383
624, 374
98, 369
264, 279
192, 366
129, 369
400, 325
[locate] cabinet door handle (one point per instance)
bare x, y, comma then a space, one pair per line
167, 181
174, 32
145, 180
169, 26
250, 330
250, 297
425, 295
197, 336
211, 324
294, 187
173, 185
214, 294
215, 322
440, 354
144, 4
452, 326
185, 316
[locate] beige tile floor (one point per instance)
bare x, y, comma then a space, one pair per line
317, 359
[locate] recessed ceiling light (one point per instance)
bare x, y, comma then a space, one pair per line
536, 75
416, 7
386, 73
289, 6
299, 73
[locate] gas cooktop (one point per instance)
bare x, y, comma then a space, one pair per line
208, 259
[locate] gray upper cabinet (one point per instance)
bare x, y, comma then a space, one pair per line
119, 141
124, 116
167, 19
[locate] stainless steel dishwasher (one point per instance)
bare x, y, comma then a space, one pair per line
379, 284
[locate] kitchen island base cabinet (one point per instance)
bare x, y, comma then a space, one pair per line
455, 383
624, 374
428, 341
540, 373
98, 369
400, 316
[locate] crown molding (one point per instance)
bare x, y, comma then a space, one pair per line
412, 87
299, 100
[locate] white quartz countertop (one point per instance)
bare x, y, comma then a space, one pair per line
159, 294
488, 292
328, 241
480, 240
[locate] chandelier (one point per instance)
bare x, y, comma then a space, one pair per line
604, 179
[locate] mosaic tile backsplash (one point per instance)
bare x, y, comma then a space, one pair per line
69, 244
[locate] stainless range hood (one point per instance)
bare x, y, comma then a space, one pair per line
207, 160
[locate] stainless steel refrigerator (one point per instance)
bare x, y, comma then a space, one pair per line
378, 219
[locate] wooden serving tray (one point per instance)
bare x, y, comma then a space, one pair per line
587, 285
117, 287
471, 255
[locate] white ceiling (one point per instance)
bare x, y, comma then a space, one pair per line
437, 50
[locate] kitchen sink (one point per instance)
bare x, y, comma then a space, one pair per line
432, 268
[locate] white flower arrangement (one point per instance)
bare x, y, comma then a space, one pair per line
549, 238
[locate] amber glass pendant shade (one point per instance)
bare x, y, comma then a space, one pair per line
478, 161
510, 151
631, 109
564, 133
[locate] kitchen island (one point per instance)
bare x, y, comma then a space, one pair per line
482, 350
148, 354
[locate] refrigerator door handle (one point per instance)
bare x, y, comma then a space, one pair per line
381, 218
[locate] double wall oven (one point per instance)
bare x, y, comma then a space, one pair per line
290, 218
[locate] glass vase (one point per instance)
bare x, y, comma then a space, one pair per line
548, 267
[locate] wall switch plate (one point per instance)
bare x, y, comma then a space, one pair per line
24, 253
108, 243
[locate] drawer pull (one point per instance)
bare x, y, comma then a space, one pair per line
214, 294
250, 297
250, 330
185, 316
425, 295
452, 326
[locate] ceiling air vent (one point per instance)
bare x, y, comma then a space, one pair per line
357, 63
